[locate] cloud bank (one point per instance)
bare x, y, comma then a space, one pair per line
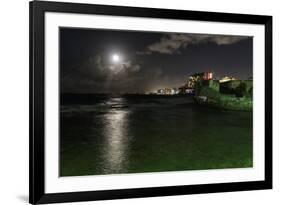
97, 75
173, 43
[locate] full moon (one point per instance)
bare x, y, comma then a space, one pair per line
115, 58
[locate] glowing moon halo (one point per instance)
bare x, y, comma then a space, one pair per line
115, 58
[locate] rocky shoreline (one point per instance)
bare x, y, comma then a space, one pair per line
231, 103
237, 98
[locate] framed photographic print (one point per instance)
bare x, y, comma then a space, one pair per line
140, 102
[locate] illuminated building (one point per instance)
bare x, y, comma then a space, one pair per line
226, 79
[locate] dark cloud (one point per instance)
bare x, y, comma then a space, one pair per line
173, 43
96, 74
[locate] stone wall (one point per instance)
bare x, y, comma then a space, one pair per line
236, 95
239, 88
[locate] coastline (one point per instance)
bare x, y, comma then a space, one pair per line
233, 95
230, 103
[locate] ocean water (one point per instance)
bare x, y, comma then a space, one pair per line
107, 134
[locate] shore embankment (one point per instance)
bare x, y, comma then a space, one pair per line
235, 95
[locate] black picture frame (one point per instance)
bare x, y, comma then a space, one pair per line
37, 193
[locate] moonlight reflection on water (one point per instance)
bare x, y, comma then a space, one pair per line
114, 153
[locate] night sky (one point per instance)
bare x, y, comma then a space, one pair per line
112, 61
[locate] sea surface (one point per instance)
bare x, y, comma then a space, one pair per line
114, 134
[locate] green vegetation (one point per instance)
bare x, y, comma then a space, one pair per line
232, 95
